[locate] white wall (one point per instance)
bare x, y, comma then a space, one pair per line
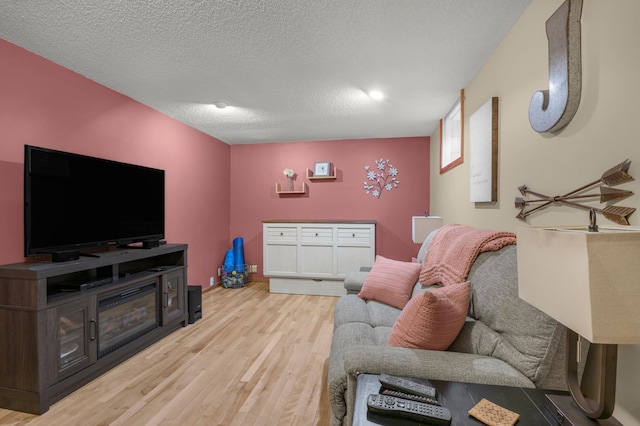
602, 134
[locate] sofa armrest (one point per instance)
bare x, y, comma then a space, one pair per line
435, 365
353, 281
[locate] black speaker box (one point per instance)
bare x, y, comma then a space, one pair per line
194, 296
65, 255
151, 244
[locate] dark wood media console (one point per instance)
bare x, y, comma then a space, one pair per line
64, 324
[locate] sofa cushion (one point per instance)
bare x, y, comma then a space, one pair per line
432, 319
352, 309
381, 315
390, 281
512, 329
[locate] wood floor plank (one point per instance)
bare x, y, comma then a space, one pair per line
255, 358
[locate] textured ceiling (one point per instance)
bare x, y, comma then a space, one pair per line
291, 70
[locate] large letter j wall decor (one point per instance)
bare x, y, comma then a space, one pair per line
551, 110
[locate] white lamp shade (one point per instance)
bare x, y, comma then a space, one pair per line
422, 226
588, 281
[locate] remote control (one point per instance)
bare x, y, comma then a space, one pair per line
408, 386
409, 396
403, 408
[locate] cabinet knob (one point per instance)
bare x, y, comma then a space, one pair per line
316, 234
281, 234
353, 235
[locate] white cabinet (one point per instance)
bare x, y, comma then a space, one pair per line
280, 251
313, 257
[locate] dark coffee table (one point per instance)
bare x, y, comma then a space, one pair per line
459, 398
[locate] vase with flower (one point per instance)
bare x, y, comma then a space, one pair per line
289, 173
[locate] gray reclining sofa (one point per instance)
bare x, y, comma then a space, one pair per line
504, 341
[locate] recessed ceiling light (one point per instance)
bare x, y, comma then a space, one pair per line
376, 95
220, 104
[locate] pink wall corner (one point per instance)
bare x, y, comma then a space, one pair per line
215, 192
44, 104
254, 198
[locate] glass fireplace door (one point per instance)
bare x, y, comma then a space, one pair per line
75, 336
173, 303
126, 315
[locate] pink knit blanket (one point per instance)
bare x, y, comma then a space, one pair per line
454, 249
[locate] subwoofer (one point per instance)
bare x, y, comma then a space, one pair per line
194, 300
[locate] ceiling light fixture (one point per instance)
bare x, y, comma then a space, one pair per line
376, 95
220, 104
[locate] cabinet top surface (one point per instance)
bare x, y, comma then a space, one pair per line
317, 221
43, 269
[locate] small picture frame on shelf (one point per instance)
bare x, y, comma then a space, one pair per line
321, 168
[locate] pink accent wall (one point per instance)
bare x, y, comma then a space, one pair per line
44, 104
215, 192
254, 198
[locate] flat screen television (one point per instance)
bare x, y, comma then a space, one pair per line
75, 202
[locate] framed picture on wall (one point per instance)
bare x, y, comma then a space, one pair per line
322, 168
483, 153
452, 136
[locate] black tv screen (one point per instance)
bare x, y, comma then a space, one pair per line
78, 202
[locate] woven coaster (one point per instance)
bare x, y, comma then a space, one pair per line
493, 415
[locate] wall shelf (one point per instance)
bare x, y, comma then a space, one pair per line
279, 190
310, 175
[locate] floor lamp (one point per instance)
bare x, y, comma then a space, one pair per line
590, 282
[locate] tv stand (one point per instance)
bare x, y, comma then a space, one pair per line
60, 329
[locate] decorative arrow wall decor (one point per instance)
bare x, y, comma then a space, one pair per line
614, 176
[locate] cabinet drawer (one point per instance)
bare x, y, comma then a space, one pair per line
307, 286
317, 235
281, 234
354, 236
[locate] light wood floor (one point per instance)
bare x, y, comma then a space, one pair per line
254, 358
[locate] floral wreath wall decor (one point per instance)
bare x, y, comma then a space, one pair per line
383, 178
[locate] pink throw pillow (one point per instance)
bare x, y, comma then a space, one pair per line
390, 282
432, 319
